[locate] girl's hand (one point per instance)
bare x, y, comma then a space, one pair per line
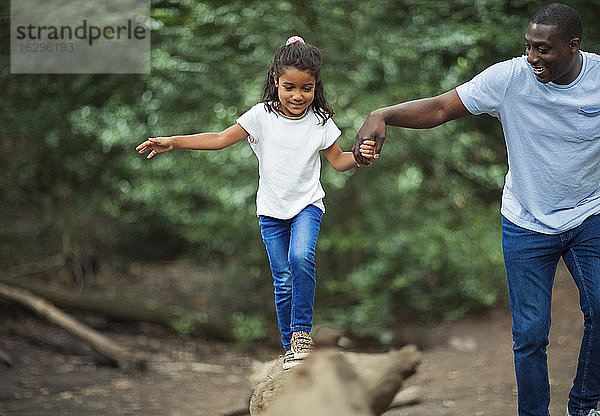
155, 145
367, 150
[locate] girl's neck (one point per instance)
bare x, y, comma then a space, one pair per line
290, 117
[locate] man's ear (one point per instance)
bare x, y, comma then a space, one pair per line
574, 45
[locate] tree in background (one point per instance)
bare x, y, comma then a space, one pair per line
416, 236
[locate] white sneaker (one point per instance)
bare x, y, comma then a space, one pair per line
289, 361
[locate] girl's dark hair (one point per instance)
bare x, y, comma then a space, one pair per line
303, 57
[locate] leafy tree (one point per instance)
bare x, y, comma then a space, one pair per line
416, 236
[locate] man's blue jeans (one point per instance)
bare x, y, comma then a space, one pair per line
291, 247
531, 259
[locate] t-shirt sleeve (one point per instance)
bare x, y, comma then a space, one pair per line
331, 132
250, 121
485, 92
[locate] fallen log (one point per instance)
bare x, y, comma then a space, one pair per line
5, 358
126, 309
102, 344
40, 266
333, 382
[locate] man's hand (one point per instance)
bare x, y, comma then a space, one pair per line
373, 128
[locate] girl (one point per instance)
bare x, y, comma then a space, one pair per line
286, 131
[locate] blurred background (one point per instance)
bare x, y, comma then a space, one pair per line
414, 239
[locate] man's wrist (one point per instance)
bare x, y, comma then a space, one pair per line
380, 114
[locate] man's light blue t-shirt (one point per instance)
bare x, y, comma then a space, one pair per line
552, 135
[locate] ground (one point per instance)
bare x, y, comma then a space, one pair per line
466, 370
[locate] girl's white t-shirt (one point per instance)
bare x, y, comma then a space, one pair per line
289, 164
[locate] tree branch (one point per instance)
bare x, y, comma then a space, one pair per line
102, 344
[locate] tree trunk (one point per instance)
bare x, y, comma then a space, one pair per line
333, 383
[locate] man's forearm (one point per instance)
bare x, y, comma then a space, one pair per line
423, 113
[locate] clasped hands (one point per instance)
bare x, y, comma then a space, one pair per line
369, 140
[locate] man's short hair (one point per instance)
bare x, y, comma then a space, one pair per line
561, 15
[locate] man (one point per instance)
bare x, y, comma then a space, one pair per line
549, 105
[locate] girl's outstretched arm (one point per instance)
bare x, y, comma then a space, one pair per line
199, 141
343, 161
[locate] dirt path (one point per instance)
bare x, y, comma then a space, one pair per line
472, 372
467, 371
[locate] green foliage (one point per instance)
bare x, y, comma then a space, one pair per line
249, 328
414, 237
187, 323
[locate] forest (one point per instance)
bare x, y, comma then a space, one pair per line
414, 238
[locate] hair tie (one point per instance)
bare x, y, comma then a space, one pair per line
294, 39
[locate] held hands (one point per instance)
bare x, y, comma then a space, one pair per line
367, 151
372, 133
155, 145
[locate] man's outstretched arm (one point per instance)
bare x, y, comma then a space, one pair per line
418, 114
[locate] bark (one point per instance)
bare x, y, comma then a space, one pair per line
40, 266
5, 358
102, 344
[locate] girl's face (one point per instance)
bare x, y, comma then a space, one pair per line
296, 91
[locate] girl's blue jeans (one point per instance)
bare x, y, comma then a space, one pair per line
291, 247
531, 259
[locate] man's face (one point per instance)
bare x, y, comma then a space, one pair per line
552, 55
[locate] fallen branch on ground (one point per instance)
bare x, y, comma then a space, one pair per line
102, 344
122, 309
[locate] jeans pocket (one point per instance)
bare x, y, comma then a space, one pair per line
588, 123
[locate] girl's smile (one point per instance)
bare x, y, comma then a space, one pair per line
296, 91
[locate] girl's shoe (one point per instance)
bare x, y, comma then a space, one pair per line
289, 361
302, 344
